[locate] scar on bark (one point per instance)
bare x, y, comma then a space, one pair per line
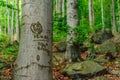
38, 57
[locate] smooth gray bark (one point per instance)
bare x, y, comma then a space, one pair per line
119, 15
102, 12
12, 23
91, 13
35, 57
9, 28
113, 17
59, 6
63, 8
72, 52
17, 21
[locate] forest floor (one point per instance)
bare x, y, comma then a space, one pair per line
111, 65
8, 64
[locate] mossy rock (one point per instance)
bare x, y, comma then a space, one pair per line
61, 45
107, 47
99, 37
86, 68
57, 58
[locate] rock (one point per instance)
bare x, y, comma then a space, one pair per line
85, 68
61, 45
100, 60
57, 58
99, 37
115, 72
102, 78
108, 48
116, 41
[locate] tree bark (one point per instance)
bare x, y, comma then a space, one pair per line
72, 21
34, 58
119, 15
12, 23
102, 12
63, 8
59, 6
9, 28
91, 13
113, 17
17, 21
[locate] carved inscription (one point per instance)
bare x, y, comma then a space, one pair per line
36, 28
40, 39
43, 46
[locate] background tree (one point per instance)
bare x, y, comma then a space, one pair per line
9, 28
91, 13
73, 22
118, 15
113, 16
102, 11
12, 22
17, 21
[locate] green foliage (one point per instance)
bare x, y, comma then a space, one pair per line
59, 27
1, 64
6, 48
3, 4
83, 32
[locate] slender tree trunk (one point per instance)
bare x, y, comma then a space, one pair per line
5, 29
72, 21
0, 23
63, 8
9, 29
113, 16
12, 25
102, 11
17, 21
34, 58
91, 14
119, 15
59, 6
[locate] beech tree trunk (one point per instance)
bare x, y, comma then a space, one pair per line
91, 13
113, 16
72, 21
12, 23
119, 15
58, 6
63, 8
34, 58
17, 21
9, 28
102, 11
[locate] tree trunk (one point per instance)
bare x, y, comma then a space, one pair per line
91, 13
34, 58
59, 6
119, 15
63, 8
102, 11
9, 29
5, 29
72, 21
113, 17
12, 23
17, 21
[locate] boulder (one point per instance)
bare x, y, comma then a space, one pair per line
57, 59
61, 45
99, 37
85, 68
108, 48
